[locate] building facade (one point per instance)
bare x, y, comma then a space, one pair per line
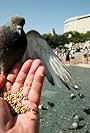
80, 24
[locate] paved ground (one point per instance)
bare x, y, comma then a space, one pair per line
58, 119
82, 65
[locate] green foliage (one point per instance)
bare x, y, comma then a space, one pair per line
87, 36
76, 37
55, 40
59, 41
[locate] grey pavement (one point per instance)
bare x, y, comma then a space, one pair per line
58, 119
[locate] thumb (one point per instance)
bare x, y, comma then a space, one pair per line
5, 115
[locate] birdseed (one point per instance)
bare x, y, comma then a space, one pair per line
15, 101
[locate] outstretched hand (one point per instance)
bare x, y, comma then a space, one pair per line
31, 75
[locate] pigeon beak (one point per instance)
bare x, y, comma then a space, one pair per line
19, 28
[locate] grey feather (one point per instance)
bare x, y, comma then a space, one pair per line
56, 71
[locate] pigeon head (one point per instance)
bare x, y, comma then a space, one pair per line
16, 23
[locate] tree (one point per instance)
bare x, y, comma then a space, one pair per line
59, 41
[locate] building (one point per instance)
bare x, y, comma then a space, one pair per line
80, 24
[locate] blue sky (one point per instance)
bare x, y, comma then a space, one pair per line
43, 15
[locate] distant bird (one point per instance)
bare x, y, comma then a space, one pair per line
14, 43
51, 104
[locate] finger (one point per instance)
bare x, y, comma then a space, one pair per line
2, 80
35, 91
29, 79
21, 76
12, 76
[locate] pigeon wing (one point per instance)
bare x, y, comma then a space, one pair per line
56, 71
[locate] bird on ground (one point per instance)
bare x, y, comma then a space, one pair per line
17, 45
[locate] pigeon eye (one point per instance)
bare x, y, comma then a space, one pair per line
13, 20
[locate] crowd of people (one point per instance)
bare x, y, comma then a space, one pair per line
68, 55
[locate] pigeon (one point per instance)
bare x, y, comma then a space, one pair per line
51, 104
16, 45
13, 43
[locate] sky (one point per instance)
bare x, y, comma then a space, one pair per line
43, 15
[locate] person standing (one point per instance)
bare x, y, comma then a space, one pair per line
85, 55
67, 56
72, 55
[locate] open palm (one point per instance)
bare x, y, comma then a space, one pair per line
31, 75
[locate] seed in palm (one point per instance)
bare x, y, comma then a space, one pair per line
14, 101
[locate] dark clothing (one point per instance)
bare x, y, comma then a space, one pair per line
67, 55
72, 57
